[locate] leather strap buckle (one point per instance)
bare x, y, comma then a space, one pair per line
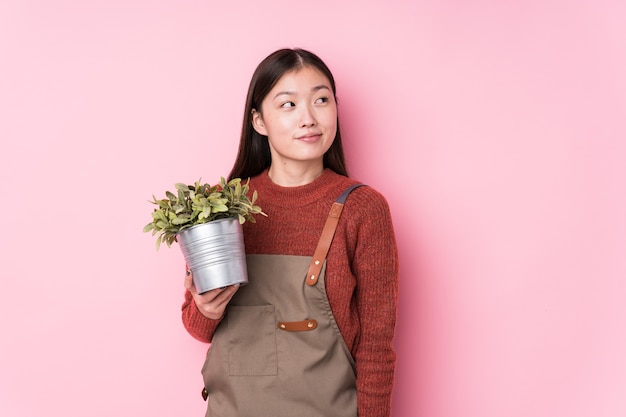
297, 326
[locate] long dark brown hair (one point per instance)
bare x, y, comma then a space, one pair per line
254, 155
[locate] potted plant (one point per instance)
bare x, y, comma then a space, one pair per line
206, 222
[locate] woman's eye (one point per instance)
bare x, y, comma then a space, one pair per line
322, 100
288, 104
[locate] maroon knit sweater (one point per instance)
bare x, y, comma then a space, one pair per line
361, 273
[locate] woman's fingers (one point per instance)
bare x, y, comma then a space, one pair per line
212, 303
189, 281
221, 300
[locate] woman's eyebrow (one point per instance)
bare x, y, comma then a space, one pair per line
284, 93
293, 93
320, 87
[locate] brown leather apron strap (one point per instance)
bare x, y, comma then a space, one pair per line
326, 238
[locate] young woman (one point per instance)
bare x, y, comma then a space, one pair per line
311, 334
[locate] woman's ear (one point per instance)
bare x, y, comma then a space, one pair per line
257, 123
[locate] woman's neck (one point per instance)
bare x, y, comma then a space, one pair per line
294, 176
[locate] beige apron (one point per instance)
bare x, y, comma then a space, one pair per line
278, 351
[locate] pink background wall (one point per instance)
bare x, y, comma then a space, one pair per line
495, 129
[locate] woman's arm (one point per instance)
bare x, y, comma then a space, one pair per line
376, 268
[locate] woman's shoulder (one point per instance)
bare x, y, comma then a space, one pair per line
364, 199
366, 212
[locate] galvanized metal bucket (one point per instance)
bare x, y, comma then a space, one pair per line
215, 254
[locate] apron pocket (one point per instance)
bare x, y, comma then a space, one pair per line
252, 341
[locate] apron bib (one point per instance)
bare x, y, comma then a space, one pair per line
278, 352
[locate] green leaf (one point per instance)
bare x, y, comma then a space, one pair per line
219, 208
181, 220
163, 215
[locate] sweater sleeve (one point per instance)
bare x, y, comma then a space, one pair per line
200, 327
376, 267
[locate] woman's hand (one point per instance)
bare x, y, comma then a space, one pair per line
211, 304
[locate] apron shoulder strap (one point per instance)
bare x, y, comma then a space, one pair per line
323, 245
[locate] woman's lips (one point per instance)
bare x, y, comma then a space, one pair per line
309, 137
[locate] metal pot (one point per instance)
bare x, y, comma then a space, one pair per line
215, 254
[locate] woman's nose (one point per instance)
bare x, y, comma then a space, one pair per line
307, 118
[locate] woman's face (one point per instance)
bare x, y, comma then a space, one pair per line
299, 117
